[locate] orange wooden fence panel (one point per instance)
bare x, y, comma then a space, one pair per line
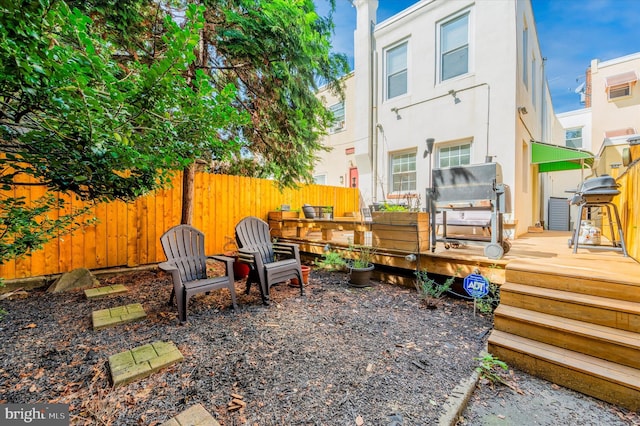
128, 234
628, 203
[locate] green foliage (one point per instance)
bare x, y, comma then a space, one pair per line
327, 209
331, 261
489, 303
24, 228
490, 367
386, 207
80, 115
361, 256
79, 121
278, 72
108, 107
430, 289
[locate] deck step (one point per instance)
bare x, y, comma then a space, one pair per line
619, 346
620, 314
593, 280
605, 380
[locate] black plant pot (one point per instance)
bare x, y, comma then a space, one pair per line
360, 277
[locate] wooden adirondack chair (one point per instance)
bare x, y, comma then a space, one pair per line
184, 247
270, 263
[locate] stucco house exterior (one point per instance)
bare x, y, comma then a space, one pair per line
614, 99
469, 75
610, 118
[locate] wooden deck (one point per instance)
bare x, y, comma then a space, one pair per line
547, 251
573, 319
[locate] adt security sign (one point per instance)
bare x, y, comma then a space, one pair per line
476, 285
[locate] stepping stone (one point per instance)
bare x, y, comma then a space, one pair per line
195, 415
142, 361
98, 292
104, 318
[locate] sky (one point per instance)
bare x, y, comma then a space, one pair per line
571, 33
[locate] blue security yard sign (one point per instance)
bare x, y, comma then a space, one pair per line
476, 285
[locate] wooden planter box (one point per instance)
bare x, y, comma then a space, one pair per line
405, 231
277, 226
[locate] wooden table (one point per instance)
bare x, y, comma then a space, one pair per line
327, 226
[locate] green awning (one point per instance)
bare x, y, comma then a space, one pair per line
552, 158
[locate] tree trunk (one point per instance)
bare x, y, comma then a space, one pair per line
188, 190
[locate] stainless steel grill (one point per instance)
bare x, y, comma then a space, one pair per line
599, 189
476, 187
594, 196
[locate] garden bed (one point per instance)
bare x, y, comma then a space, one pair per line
335, 356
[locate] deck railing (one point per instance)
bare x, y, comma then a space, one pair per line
128, 234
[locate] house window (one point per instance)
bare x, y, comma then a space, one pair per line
454, 47
320, 179
573, 138
396, 71
619, 85
619, 91
338, 117
455, 155
403, 172
525, 56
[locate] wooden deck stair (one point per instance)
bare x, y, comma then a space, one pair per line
572, 326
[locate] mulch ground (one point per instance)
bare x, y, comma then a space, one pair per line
336, 356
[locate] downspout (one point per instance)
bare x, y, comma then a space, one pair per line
374, 115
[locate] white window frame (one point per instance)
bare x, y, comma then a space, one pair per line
339, 115
320, 179
469, 45
570, 141
620, 90
463, 159
398, 177
388, 75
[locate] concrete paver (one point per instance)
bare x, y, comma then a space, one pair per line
109, 290
142, 361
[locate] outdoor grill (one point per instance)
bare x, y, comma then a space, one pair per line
471, 188
596, 194
599, 189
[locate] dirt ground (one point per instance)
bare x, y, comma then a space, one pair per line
337, 356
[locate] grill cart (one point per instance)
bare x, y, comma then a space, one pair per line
595, 195
472, 188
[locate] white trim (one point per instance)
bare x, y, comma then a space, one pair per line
470, 43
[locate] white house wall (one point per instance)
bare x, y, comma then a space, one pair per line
485, 112
335, 164
623, 113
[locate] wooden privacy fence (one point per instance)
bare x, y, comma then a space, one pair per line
128, 234
628, 203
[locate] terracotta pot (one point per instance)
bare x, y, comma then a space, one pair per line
305, 276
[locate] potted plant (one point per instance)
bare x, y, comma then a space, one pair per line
396, 227
327, 212
361, 265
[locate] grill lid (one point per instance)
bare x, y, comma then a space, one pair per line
598, 184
